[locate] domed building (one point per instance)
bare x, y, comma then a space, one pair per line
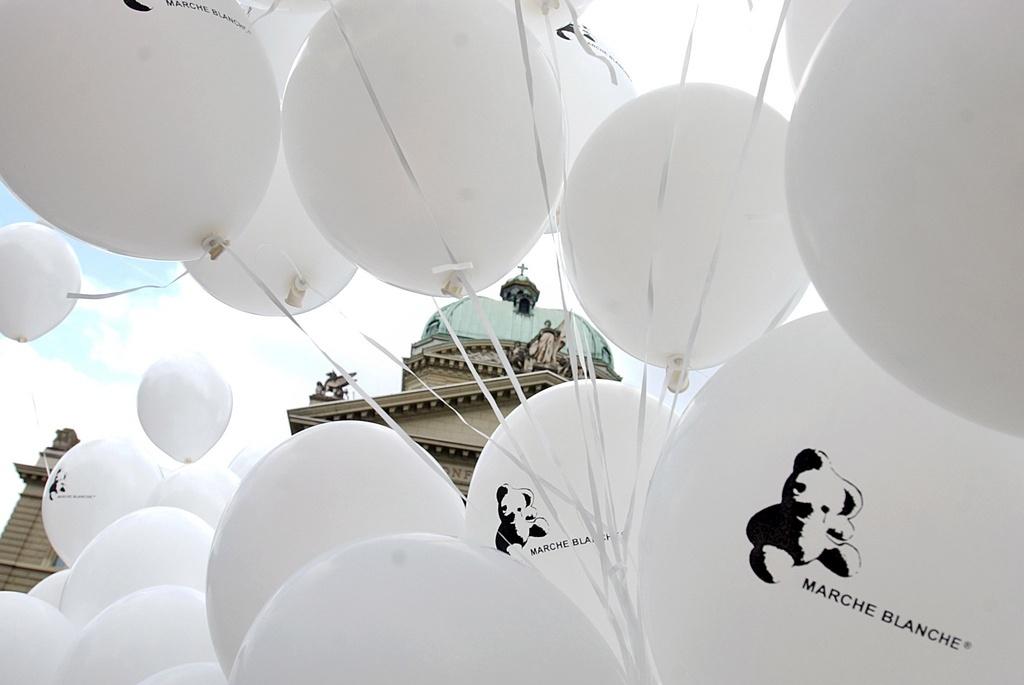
535, 341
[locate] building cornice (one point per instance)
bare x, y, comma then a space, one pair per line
420, 400
32, 475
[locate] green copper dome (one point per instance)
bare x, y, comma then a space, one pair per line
510, 324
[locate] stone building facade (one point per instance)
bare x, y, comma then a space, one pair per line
26, 556
535, 342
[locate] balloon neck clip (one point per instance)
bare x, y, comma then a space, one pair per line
548, 5
453, 286
215, 246
677, 378
296, 292
21, 339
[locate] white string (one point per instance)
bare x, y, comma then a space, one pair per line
596, 533
410, 175
651, 300
540, 483
581, 38
430, 462
568, 316
385, 122
107, 296
628, 652
520, 463
528, 72
734, 189
542, 173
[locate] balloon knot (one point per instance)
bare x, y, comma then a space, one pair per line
296, 292
453, 286
677, 377
215, 246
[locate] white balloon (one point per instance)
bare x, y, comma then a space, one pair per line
506, 508
251, 454
184, 405
37, 271
904, 178
807, 22
324, 487
589, 93
51, 588
94, 484
620, 249
285, 250
449, 77
879, 555
173, 140
138, 636
202, 489
422, 594
146, 548
189, 674
34, 637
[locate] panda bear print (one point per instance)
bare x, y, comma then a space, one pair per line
518, 520
812, 522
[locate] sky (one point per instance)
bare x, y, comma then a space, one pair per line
85, 373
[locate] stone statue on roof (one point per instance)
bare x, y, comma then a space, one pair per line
546, 345
333, 389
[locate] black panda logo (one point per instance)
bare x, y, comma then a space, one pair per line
813, 522
57, 487
518, 516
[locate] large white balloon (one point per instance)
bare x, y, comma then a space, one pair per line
94, 484
807, 22
138, 636
449, 77
34, 637
506, 509
173, 140
621, 250
149, 547
326, 486
37, 271
188, 674
285, 250
829, 525
203, 489
389, 611
51, 588
904, 180
184, 405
